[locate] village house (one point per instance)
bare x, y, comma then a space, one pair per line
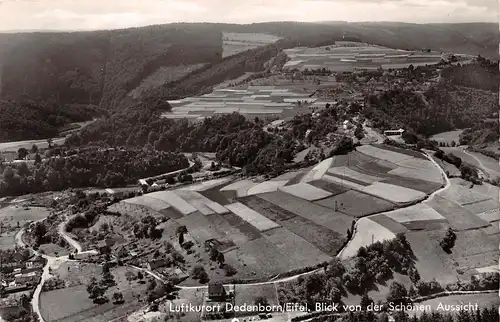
26, 279
152, 265
104, 246
216, 292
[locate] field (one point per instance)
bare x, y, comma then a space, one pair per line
252, 217
367, 232
234, 43
356, 204
346, 57
293, 221
72, 303
42, 144
306, 191
14, 217
447, 137
252, 101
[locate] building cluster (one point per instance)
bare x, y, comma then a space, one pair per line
21, 275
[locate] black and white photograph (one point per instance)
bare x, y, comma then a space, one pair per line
237, 161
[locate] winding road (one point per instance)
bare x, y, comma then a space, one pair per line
52, 262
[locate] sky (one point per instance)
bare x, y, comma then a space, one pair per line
111, 14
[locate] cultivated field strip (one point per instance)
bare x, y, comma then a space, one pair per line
350, 173
342, 182
318, 171
429, 174
490, 216
240, 188
335, 221
306, 191
383, 154
200, 202
148, 201
459, 217
418, 212
356, 204
206, 185
249, 215
394, 193
266, 186
177, 202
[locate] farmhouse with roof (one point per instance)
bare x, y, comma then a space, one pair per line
216, 292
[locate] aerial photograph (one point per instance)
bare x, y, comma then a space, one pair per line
237, 161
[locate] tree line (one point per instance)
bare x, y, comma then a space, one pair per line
88, 168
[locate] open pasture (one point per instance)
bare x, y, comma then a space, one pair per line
306, 191
367, 232
335, 221
356, 204
249, 215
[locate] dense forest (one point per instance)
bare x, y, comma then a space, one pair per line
23, 120
88, 168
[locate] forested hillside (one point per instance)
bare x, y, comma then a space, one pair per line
22, 120
90, 168
464, 97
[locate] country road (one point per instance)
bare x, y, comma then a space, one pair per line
73, 243
52, 262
